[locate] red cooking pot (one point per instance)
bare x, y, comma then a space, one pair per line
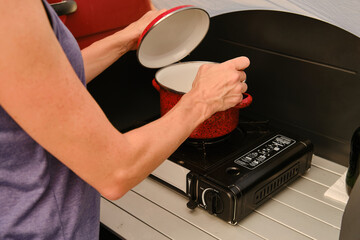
174, 81
169, 38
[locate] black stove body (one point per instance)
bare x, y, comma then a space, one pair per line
232, 176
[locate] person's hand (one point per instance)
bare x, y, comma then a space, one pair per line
220, 86
136, 28
101, 54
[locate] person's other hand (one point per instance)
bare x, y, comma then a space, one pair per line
137, 27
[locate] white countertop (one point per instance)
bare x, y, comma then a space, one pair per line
153, 211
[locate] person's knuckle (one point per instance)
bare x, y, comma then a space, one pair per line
204, 67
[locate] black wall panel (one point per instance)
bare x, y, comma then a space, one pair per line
304, 73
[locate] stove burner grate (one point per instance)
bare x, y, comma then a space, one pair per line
209, 141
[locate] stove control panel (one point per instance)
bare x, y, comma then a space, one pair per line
264, 152
209, 196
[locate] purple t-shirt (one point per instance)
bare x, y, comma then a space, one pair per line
40, 198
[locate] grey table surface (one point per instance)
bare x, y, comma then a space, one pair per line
301, 211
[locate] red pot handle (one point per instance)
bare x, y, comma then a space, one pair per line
156, 85
247, 100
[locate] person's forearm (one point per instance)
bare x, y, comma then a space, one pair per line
101, 54
151, 144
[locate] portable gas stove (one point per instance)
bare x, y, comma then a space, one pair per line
231, 176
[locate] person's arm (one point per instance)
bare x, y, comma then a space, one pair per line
101, 54
41, 92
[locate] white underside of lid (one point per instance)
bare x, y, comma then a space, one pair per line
173, 37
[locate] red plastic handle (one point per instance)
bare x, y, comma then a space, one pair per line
156, 85
247, 100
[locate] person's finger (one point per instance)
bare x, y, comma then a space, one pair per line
240, 88
239, 63
244, 87
242, 76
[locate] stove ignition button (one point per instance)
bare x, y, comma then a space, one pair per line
212, 201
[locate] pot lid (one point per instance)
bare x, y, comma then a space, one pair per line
172, 35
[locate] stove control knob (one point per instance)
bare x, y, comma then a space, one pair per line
213, 202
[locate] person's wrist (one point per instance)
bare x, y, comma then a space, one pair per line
132, 34
200, 109
124, 40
